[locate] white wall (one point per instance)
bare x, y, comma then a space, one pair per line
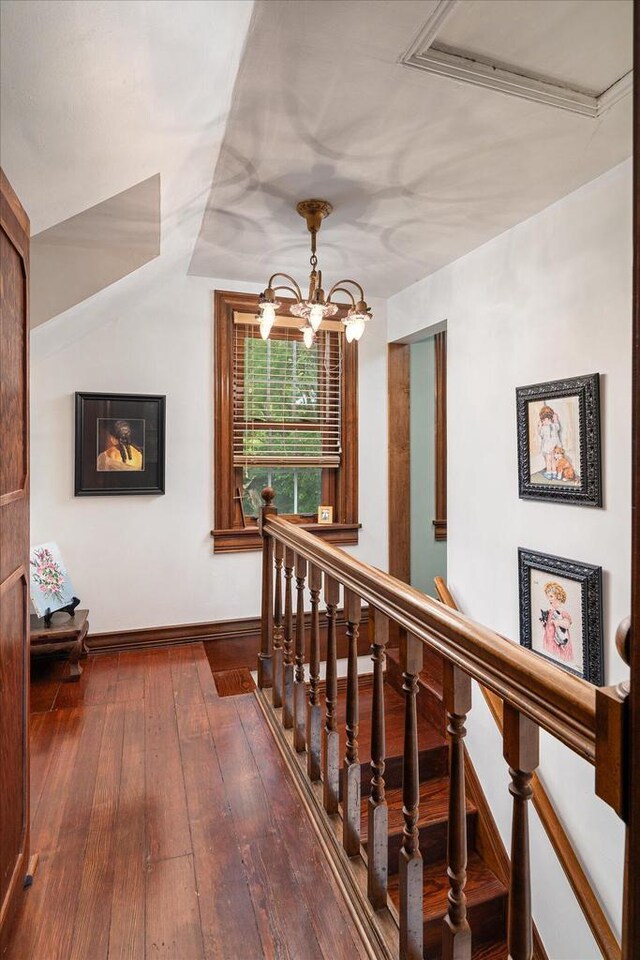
139, 561
550, 298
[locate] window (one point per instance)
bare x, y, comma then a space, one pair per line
285, 417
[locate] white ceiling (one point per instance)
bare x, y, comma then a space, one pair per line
100, 96
420, 168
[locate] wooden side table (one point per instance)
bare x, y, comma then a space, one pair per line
64, 631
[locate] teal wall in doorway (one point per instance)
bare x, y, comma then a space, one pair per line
428, 556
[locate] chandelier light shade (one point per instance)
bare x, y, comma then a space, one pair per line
315, 307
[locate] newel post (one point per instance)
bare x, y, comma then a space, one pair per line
265, 657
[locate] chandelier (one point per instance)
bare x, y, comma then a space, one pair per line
315, 307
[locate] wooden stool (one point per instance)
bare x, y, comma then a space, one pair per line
64, 631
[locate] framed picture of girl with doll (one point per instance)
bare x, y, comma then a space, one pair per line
561, 613
559, 440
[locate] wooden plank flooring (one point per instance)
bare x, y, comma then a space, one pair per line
166, 825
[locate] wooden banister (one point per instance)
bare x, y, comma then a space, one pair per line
524, 694
573, 869
558, 702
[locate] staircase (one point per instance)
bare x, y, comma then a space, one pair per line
486, 893
409, 898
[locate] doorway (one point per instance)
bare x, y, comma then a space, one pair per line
418, 458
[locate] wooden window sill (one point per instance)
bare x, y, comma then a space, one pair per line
242, 539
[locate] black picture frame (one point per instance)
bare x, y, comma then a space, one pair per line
103, 469
589, 579
587, 489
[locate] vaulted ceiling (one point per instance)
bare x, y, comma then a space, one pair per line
237, 116
421, 167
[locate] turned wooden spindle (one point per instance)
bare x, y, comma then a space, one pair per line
278, 631
377, 839
521, 751
456, 937
314, 711
331, 744
410, 861
287, 655
351, 767
265, 657
299, 688
410, 867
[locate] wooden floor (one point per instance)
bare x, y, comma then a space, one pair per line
165, 824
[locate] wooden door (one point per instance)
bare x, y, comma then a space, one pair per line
14, 551
631, 924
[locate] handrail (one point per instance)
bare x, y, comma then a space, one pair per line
558, 702
589, 903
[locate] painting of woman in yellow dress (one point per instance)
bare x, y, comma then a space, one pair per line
120, 444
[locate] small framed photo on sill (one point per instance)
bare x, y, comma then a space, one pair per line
325, 514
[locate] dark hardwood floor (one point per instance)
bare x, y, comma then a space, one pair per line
165, 824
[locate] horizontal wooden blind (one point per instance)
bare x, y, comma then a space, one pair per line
286, 399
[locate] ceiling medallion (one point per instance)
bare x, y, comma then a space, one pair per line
315, 307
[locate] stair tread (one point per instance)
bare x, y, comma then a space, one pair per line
434, 806
489, 951
428, 736
482, 885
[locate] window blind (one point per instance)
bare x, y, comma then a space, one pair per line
287, 399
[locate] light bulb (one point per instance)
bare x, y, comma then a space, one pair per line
316, 316
357, 326
308, 335
267, 318
265, 327
268, 311
348, 331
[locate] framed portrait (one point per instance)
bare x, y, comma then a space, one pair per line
325, 513
561, 613
559, 441
120, 444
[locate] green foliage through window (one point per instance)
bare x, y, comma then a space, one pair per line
298, 489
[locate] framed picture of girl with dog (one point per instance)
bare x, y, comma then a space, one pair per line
561, 612
559, 440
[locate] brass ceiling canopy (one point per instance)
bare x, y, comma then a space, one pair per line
315, 307
314, 212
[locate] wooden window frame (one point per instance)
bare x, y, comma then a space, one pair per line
440, 459
339, 486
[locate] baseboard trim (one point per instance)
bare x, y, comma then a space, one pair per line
246, 628
378, 929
